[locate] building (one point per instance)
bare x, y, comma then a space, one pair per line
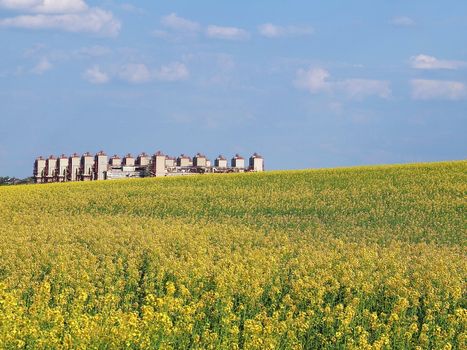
74, 166
143, 160
199, 160
183, 161
99, 167
170, 162
87, 167
50, 169
256, 163
128, 160
39, 170
238, 162
158, 164
115, 161
62, 168
220, 162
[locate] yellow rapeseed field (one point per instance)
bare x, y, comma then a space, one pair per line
351, 258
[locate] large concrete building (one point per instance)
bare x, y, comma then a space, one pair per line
99, 167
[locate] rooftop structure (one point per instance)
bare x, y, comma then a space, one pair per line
183, 160
143, 159
39, 170
74, 167
220, 162
256, 162
99, 167
238, 162
115, 161
128, 160
62, 168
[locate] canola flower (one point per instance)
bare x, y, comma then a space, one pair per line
354, 258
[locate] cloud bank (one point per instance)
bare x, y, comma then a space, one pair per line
42, 66
138, 73
424, 89
174, 22
45, 6
68, 15
228, 33
402, 21
430, 62
96, 76
316, 80
270, 30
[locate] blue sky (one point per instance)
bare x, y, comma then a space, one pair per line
305, 83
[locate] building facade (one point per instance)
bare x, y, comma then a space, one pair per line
99, 166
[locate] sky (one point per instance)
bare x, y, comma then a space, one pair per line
307, 84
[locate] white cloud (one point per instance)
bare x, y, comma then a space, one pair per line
423, 89
175, 22
96, 76
131, 8
45, 6
43, 66
270, 30
161, 34
313, 80
402, 21
228, 33
430, 62
172, 72
316, 80
92, 51
68, 15
361, 88
141, 73
135, 73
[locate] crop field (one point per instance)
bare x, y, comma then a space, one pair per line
350, 258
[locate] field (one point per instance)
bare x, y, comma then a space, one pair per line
354, 258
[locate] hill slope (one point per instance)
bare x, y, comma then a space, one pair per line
293, 259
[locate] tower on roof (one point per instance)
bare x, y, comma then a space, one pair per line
238, 162
39, 170
256, 162
87, 167
100, 166
220, 162
158, 164
199, 160
62, 168
73, 167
